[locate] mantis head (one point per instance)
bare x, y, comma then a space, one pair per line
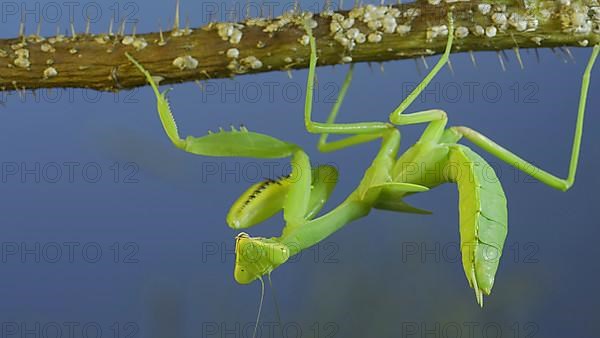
257, 256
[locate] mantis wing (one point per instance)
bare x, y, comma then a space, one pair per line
483, 217
324, 179
388, 201
391, 198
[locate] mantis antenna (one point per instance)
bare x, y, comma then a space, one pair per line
276, 304
262, 296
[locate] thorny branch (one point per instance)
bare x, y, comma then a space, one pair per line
364, 34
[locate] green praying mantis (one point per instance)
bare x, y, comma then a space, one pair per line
303, 193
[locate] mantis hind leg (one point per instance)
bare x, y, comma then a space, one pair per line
525, 166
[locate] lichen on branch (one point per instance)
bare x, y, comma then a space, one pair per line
368, 33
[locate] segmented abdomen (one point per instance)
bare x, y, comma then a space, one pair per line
483, 217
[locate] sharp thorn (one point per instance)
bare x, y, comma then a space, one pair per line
87, 26
450, 67
110, 26
162, 41
73, 33
289, 74
22, 28
473, 60
381, 67
506, 58
176, 22
424, 62
200, 85
417, 66
537, 55
567, 51
121, 31
123, 28
560, 56
518, 54
501, 61
39, 29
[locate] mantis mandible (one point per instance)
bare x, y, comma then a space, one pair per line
302, 194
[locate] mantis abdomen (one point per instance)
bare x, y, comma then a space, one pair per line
483, 217
482, 204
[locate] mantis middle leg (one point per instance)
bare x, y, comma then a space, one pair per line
368, 131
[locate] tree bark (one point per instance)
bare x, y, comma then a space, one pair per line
98, 61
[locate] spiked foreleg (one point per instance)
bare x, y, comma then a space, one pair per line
234, 143
265, 199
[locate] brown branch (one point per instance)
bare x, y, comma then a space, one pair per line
98, 61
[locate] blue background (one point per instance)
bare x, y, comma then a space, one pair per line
151, 253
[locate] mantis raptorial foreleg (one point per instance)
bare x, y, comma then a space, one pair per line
264, 199
234, 143
243, 143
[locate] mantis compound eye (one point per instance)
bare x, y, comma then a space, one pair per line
256, 256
